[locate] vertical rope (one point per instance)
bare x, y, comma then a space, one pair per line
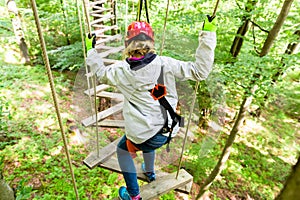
165, 26
87, 16
187, 128
54, 95
82, 33
94, 81
192, 109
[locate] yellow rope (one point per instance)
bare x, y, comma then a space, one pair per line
54, 95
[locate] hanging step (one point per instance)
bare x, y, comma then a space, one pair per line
112, 123
165, 184
103, 28
113, 165
112, 95
108, 38
97, 15
103, 114
111, 51
100, 10
103, 19
104, 154
99, 88
94, 3
110, 162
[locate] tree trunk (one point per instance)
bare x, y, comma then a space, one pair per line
16, 22
245, 103
6, 193
292, 185
227, 149
238, 40
276, 28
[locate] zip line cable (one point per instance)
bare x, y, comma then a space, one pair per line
53, 91
192, 108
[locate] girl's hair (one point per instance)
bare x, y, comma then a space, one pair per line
138, 47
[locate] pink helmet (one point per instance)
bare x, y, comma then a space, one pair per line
140, 31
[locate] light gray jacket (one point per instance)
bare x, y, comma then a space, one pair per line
142, 114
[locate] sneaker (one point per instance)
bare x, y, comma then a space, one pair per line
150, 176
124, 195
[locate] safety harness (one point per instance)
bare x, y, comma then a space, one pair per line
158, 92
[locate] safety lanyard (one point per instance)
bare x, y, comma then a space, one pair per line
140, 7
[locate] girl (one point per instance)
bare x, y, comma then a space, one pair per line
147, 82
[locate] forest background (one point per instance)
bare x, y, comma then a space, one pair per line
264, 134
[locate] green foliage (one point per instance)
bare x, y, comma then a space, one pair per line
67, 57
23, 191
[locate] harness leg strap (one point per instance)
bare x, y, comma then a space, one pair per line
132, 149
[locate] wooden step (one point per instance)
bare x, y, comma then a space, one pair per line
94, 3
101, 10
165, 184
103, 19
111, 51
104, 47
110, 162
98, 15
99, 88
94, 158
113, 165
112, 123
112, 95
108, 38
103, 29
103, 114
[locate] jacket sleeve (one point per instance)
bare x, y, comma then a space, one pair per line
103, 73
200, 69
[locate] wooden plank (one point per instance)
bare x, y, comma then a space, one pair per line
105, 47
165, 184
102, 19
93, 3
101, 10
112, 95
97, 15
113, 165
104, 154
103, 114
112, 123
99, 88
109, 39
111, 51
103, 28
